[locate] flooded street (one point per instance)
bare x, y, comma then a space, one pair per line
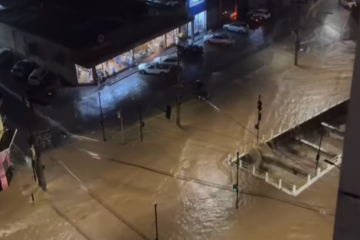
106, 190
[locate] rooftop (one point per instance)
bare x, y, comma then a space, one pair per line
80, 30
58, 25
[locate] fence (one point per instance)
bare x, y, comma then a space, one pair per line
289, 188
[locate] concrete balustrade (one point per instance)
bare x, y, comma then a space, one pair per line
291, 189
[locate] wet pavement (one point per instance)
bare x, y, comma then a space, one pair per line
183, 170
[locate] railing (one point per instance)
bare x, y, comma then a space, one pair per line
292, 189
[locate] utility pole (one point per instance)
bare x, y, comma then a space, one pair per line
156, 223
296, 30
101, 118
257, 125
141, 124
121, 127
318, 152
40, 170
178, 94
296, 42
36, 161
237, 178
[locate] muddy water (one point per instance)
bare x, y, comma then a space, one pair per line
289, 96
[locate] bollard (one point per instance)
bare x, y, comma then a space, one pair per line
280, 183
272, 134
254, 170
294, 189
266, 177
280, 130
317, 171
240, 163
263, 138
254, 143
309, 178
229, 159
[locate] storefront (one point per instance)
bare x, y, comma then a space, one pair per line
124, 61
84, 75
197, 8
114, 66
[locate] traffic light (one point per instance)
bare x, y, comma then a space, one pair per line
168, 112
235, 189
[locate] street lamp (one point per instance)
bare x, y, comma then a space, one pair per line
331, 163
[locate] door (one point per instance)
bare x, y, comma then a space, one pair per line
151, 69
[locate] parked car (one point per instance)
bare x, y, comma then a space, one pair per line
239, 27
264, 13
37, 76
253, 21
217, 38
348, 3
169, 59
154, 68
44, 93
23, 68
191, 51
5, 55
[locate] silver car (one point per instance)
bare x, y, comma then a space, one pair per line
236, 27
217, 38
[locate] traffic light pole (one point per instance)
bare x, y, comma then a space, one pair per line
156, 223
141, 124
101, 118
36, 161
237, 179
257, 125
40, 171
318, 152
178, 94
296, 32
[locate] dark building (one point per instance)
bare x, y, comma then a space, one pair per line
81, 45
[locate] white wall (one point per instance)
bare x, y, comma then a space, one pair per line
45, 53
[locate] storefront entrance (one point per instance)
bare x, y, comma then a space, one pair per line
84, 75
199, 23
114, 65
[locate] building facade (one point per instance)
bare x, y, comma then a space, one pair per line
109, 54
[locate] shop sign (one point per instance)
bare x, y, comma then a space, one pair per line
196, 6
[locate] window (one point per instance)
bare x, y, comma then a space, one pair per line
170, 60
151, 67
84, 75
163, 66
218, 37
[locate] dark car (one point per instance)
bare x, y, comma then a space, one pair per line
190, 51
5, 56
44, 93
24, 68
253, 21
